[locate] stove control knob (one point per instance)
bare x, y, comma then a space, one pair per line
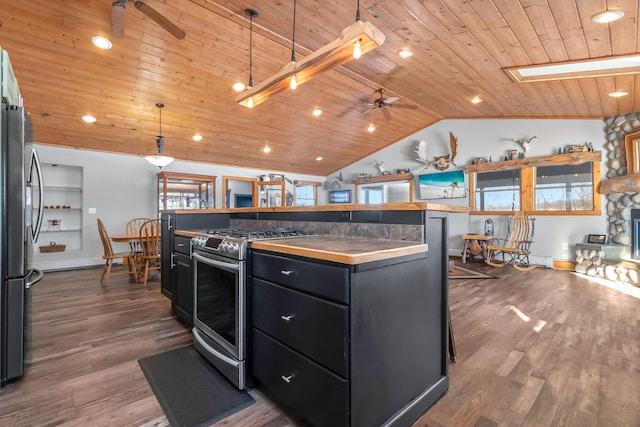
224, 247
233, 249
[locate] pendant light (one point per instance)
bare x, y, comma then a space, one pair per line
251, 14
160, 160
293, 83
357, 50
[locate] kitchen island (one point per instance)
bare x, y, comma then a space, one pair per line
348, 332
372, 326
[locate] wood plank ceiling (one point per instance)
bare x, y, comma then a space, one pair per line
460, 49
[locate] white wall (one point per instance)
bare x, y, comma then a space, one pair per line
121, 187
494, 138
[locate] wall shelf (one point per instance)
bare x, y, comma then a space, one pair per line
553, 160
384, 178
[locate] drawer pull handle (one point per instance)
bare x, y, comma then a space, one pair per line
287, 318
286, 272
287, 379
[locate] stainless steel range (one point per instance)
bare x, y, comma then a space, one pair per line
220, 296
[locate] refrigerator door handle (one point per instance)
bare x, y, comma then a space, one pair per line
34, 278
35, 163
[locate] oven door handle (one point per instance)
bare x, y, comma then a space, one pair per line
223, 265
228, 360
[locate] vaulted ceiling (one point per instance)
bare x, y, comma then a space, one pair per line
460, 49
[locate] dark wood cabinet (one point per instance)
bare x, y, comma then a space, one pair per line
182, 295
176, 275
349, 345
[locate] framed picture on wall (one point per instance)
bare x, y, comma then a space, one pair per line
444, 185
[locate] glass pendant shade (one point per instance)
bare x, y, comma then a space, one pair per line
160, 160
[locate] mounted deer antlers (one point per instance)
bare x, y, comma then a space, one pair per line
440, 162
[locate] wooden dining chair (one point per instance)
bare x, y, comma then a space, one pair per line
109, 255
150, 243
132, 228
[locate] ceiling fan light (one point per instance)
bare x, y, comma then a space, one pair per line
607, 16
357, 49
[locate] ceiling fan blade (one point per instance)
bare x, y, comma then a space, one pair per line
386, 114
159, 19
407, 106
116, 26
391, 99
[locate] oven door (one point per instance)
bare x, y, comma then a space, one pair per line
219, 301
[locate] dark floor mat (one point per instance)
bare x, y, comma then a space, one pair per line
190, 390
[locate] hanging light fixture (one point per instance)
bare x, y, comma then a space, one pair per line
357, 49
338, 52
160, 160
293, 83
251, 14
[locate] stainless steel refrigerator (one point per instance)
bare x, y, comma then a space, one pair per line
20, 221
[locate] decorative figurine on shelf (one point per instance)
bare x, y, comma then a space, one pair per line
379, 165
525, 143
439, 162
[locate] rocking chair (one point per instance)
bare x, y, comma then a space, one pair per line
515, 248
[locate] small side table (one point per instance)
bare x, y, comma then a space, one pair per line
477, 238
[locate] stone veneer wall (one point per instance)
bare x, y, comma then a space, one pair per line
619, 205
413, 233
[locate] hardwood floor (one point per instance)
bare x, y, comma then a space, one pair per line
541, 348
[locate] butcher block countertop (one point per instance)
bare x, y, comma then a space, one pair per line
340, 249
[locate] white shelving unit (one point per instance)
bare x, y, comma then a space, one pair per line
62, 217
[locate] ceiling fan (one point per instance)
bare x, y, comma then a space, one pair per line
118, 12
383, 103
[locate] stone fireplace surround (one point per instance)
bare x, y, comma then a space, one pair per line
619, 208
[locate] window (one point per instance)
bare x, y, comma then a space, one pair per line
497, 191
306, 193
564, 188
561, 184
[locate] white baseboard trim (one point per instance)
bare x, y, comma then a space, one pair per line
69, 264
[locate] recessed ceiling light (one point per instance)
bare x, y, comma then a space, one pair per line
239, 86
476, 100
89, 119
197, 137
318, 158
317, 112
405, 53
371, 128
101, 42
266, 149
608, 66
618, 93
607, 16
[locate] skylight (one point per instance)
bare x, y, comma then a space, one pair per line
577, 69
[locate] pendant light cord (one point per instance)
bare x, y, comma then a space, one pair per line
293, 38
358, 11
250, 52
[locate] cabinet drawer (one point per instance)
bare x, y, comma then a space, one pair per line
316, 328
315, 393
318, 279
182, 244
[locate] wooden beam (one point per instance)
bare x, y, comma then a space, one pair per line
621, 184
